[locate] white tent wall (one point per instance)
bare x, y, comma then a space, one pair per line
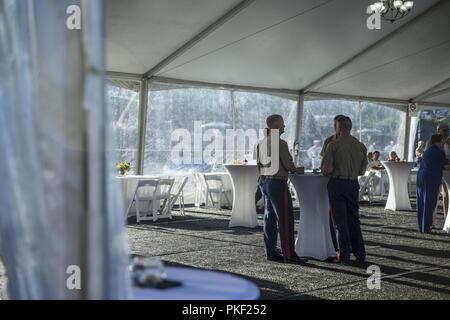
59, 209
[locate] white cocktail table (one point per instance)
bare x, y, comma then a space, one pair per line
398, 172
201, 285
314, 237
245, 181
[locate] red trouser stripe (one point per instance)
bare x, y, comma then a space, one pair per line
286, 225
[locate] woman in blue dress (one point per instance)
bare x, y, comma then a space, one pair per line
429, 178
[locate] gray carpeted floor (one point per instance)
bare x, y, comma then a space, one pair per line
413, 265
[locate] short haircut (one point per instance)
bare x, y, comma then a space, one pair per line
376, 151
442, 125
345, 123
435, 138
339, 116
270, 121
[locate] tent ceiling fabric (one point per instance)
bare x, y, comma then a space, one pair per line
444, 98
320, 36
414, 60
140, 33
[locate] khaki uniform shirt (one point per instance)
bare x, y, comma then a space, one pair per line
286, 163
346, 157
326, 143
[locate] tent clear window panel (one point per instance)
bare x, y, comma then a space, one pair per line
185, 132
123, 98
379, 126
382, 128
428, 121
318, 119
198, 129
252, 109
185, 129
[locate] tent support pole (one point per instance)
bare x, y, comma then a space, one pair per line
298, 127
143, 105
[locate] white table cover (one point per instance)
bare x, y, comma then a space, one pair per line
245, 181
446, 178
314, 237
129, 183
201, 285
398, 172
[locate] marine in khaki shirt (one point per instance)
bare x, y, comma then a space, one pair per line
345, 158
326, 143
330, 138
286, 163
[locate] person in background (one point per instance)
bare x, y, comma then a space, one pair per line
322, 154
346, 159
443, 130
370, 161
393, 156
376, 163
420, 150
314, 154
429, 177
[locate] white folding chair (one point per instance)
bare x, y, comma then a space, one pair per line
366, 186
200, 186
179, 195
214, 186
145, 192
163, 195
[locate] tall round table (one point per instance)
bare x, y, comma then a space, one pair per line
245, 181
398, 197
200, 285
314, 237
446, 178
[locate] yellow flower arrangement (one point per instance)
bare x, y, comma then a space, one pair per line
123, 167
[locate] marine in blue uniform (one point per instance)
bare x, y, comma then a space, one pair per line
274, 164
429, 178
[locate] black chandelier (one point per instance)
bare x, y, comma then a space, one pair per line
392, 10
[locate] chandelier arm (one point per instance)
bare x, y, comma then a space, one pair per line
391, 13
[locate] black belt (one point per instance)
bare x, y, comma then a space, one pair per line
274, 178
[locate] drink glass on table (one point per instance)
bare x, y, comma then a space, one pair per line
146, 271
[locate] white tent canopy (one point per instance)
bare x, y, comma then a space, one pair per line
309, 45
